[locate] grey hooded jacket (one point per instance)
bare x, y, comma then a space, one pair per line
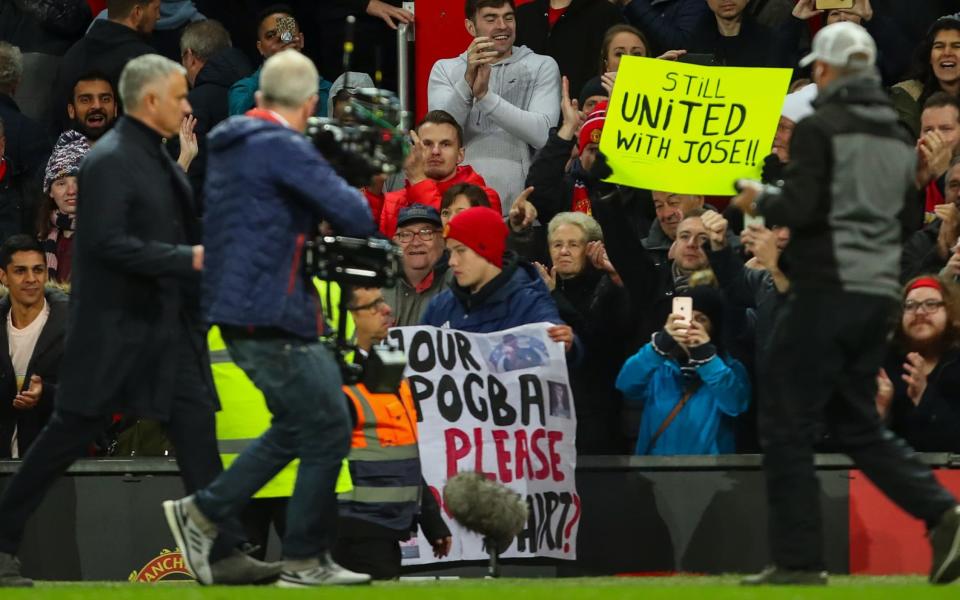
510, 122
851, 173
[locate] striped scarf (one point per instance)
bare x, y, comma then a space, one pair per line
62, 223
681, 279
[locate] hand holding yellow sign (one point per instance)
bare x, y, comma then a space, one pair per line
690, 129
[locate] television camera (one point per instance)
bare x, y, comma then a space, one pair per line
365, 142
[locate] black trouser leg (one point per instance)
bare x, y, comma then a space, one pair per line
61, 442
897, 471
825, 354
257, 518
375, 555
793, 494
193, 434
278, 516
883, 457
795, 386
192, 429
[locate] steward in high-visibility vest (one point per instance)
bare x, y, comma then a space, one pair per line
384, 459
389, 497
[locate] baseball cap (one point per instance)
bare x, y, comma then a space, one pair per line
419, 212
838, 44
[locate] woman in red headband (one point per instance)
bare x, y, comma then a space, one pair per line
919, 390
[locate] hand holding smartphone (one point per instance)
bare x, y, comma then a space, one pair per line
757, 220
683, 306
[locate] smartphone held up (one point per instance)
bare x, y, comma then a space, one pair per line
830, 4
683, 306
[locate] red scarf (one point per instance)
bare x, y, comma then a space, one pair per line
425, 284
934, 196
581, 199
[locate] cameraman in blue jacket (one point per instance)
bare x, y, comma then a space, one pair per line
267, 190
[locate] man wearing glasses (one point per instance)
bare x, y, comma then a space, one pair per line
389, 497
420, 235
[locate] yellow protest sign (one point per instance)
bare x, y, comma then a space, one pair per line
690, 129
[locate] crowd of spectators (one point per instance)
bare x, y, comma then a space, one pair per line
501, 214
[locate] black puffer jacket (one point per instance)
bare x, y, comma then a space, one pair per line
44, 26
650, 285
921, 255
554, 184
17, 205
28, 145
748, 288
602, 316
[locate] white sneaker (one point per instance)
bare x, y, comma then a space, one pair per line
323, 572
194, 535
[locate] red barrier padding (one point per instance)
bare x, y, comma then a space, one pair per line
884, 540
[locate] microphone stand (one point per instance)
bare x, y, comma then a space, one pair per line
493, 567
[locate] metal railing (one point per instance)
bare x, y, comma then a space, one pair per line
404, 36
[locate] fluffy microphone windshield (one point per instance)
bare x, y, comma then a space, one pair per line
486, 507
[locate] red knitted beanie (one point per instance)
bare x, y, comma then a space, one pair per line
593, 127
482, 230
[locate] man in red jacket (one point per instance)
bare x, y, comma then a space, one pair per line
432, 167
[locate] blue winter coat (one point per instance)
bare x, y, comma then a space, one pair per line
267, 188
516, 297
705, 424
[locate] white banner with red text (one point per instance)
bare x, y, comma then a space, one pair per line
499, 404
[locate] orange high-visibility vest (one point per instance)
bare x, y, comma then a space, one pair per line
384, 459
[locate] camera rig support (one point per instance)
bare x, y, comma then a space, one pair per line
358, 262
366, 141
